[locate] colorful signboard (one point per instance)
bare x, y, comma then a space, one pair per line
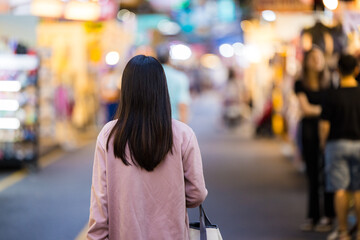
282, 5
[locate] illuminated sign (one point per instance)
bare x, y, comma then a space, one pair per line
281, 5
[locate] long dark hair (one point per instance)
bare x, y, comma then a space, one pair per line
323, 75
144, 115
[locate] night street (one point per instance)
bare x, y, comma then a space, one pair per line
271, 89
254, 191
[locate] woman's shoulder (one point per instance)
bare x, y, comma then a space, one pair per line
105, 131
299, 86
180, 128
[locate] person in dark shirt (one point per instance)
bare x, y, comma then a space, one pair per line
309, 91
339, 129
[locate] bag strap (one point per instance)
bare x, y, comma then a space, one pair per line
202, 224
206, 219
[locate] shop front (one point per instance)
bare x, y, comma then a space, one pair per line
19, 91
73, 64
64, 100
278, 39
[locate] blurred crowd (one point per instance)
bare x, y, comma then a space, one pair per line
328, 134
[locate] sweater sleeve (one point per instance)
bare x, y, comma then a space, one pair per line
98, 220
195, 189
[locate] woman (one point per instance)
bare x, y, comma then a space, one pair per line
147, 166
309, 91
110, 93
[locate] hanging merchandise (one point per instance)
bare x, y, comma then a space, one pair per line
18, 109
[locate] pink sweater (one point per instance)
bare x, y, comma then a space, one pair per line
128, 203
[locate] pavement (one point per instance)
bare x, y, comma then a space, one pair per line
255, 192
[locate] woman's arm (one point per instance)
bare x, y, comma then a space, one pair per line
308, 109
195, 189
98, 220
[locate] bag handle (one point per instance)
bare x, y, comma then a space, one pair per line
204, 222
207, 221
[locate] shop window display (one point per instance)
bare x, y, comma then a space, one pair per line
18, 109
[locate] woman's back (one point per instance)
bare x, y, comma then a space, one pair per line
142, 204
147, 167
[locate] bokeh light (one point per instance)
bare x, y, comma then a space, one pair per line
112, 58
10, 86
331, 4
226, 50
9, 123
268, 15
9, 105
180, 52
167, 27
238, 48
210, 61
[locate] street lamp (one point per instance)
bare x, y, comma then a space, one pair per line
331, 4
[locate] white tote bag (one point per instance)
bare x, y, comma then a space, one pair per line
204, 230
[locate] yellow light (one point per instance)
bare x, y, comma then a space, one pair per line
331, 4
83, 11
277, 123
210, 61
252, 53
246, 25
47, 8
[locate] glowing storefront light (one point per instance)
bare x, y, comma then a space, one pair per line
210, 61
180, 52
9, 123
18, 62
238, 48
112, 58
246, 25
9, 105
331, 4
268, 15
10, 86
226, 50
47, 8
83, 11
252, 53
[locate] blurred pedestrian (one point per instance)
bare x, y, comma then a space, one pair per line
147, 167
309, 91
178, 85
231, 101
110, 92
340, 130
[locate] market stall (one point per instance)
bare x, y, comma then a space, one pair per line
19, 109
